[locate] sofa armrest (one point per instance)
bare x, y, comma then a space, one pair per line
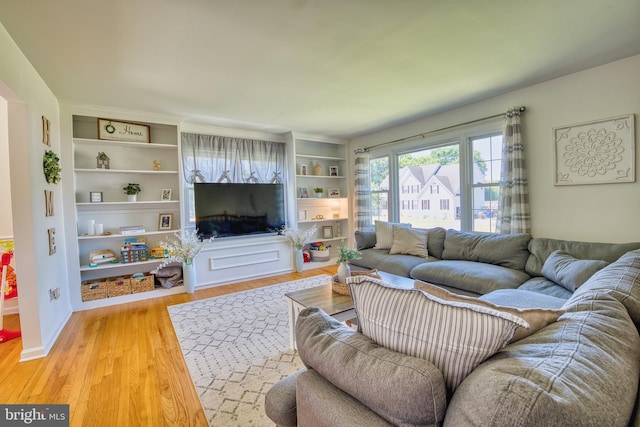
280, 401
415, 392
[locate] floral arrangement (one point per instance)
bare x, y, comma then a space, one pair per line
183, 248
299, 238
345, 254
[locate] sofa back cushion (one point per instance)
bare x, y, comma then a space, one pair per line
414, 391
568, 271
580, 371
506, 250
454, 336
384, 233
541, 248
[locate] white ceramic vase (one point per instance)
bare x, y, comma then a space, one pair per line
189, 277
132, 197
298, 260
344, 271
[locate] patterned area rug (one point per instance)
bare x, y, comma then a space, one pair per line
236, 347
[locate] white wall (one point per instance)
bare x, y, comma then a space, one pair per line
6, 221
607, 212
29, 99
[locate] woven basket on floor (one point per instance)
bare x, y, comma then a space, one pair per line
343, 289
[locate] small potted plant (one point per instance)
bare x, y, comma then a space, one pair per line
132, 190
102, 160
344, 256
318, 191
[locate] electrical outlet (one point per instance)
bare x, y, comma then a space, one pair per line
52, 241
54, 294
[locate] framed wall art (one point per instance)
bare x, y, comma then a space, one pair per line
334, 192
597, 152
166, 194
95, 196
165, 221
112, 130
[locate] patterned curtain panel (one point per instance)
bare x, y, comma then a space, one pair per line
362, 201
513, 203
209, 158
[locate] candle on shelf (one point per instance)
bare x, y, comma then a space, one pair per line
99, 229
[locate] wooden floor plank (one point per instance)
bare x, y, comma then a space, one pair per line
119, 365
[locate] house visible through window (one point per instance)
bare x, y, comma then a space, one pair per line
460, 177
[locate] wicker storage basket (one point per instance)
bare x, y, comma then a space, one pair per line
117, 286
93, 290
142, 284
343, 289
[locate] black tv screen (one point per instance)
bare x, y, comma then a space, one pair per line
226, 209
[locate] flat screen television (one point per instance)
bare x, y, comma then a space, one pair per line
229, 209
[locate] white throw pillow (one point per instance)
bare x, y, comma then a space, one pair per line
384, 234
454, 336
409, 241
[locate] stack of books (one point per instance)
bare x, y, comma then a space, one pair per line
132, 229
134, 249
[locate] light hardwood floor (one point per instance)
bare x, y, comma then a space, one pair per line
117, 366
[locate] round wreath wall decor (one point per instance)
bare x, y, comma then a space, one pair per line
51, 167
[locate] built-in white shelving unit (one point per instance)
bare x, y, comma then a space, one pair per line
322, 163
129, 162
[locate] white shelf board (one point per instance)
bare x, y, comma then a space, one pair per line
123, 171
321, 176
124, 236
313, 156
103, 142
119, 265
307, 221
138, 203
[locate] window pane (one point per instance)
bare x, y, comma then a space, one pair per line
487, 164
379, 175
434, 175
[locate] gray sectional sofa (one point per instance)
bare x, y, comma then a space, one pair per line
477, 263
582, 369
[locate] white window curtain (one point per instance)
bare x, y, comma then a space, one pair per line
362, 201
513, 203
209, 158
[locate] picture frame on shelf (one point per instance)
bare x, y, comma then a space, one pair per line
166, 194
302, 214
304, 193
333, 170
327, 232
303, 169
95, 196
114, 130
165, 221
334, 192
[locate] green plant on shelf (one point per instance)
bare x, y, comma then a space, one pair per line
132, 189
318, 190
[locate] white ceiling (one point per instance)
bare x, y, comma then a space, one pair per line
332, 67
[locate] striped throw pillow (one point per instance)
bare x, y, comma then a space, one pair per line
384, 233
454, 336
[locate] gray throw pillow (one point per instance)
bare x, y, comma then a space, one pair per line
569, 271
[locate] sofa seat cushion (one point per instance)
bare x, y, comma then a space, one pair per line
505, 300
454, 336
414, 389
545, 286
580, 371
506, 250
470, 276
380, 259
